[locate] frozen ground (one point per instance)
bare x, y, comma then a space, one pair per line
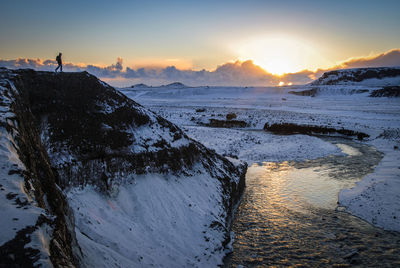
376, 198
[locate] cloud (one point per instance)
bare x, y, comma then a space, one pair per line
229, 74
28, 63
387, 59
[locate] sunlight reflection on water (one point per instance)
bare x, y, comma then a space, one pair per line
288, 217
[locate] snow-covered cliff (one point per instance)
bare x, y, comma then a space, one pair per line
142, 192
37, 222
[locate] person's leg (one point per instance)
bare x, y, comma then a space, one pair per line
61, 67
57, 68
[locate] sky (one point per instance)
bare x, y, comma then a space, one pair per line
277, 36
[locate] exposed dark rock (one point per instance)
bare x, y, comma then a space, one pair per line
310, 92
291, 128
16, 253
231, 116
389, 91
227, 123
201, 110
358, 91
10, 196
316, 91
390, 134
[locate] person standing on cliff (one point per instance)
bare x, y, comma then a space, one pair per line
59, 61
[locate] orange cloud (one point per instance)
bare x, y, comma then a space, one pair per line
390, 58
236, 73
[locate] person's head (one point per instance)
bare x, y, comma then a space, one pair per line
60, 53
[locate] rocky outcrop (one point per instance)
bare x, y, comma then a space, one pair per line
86, 124
316, 91
389, 91
227, 123
231, 116
357, 75
75, 130
291, 128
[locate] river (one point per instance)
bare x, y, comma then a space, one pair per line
289, 215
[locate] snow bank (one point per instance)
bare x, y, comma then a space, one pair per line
377, 197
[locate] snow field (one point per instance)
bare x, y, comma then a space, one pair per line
376, 198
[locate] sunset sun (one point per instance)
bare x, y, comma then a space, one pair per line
279, 55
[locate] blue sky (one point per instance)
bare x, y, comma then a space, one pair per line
193, 34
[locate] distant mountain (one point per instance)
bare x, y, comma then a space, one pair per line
175, 85
172, 85
141, 85
381, 76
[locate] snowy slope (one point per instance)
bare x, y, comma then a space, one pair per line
143, 193
158, 220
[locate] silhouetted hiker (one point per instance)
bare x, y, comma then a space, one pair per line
59, 61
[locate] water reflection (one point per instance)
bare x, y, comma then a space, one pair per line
288, 216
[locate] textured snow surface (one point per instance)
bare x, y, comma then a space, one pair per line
159, 220
14, 217
258, 146
376, 198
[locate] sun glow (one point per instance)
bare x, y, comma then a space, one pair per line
279, 55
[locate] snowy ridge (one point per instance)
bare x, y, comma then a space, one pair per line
382, 76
